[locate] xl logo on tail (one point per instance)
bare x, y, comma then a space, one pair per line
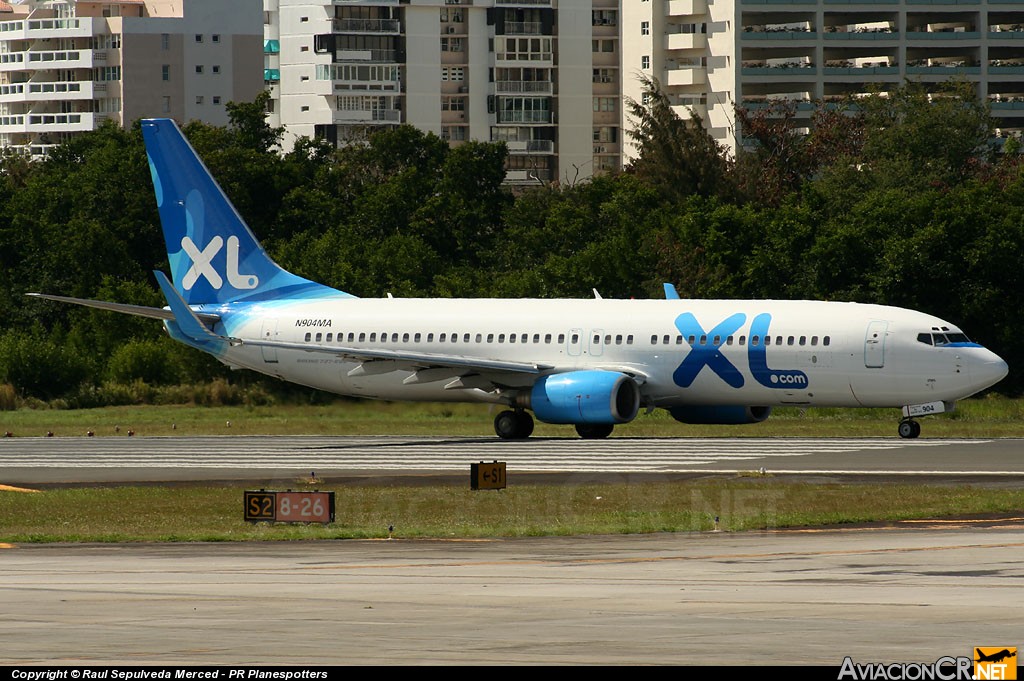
202, 265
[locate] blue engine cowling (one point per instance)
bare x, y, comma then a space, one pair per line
584, 397
719, 415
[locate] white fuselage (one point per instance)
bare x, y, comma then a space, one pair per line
682, 352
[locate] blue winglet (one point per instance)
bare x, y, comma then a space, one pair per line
670, 292
186, 320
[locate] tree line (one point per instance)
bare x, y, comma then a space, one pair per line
898, 198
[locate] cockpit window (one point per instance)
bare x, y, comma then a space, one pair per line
942, 338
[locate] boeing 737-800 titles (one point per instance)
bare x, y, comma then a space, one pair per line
591, 363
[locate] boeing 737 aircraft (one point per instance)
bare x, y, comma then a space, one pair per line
591, 363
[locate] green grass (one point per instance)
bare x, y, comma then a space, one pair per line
986, 417
207, 513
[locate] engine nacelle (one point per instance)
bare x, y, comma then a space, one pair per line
720, 415
583, 397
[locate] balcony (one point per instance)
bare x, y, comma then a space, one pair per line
521, 58
65, 122
686, 41
516, 116
523, 28
42, 29
696, 75
380, 56
944, 71
70, 59
368, 116
861, 71
861, 36
682, 8
538, 176
63, 90
779, 35
522, 86
943, 35
367, 26
531, 147
782, 70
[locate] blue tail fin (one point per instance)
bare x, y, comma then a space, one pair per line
214, 257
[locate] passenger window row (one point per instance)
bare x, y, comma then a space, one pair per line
618, 339
364, 337
742, 340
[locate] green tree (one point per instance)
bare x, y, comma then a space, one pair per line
677, 156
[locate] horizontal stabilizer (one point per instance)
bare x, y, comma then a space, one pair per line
124, 308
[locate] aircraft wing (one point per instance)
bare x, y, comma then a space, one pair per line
424, 360
124, 308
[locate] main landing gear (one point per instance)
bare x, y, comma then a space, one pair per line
513, 425
909, 429
518, 425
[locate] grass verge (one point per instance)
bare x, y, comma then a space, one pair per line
214, 513
986, 417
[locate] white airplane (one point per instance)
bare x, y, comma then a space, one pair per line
592, 363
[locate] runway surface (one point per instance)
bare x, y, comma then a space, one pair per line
50, 460
787, 598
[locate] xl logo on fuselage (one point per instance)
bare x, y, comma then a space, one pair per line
705, 351
202, 265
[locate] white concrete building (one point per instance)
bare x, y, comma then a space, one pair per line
541, 75
66, 65
712, 54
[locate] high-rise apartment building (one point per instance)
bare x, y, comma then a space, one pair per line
541, 75
66, 65
711, 55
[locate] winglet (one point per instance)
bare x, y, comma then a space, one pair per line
184, 317
670, 292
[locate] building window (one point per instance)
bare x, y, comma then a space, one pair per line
453, 73
165, 41
602, 45
645, 28
604, 76
166, 104
453, 104
199, 99
451, 45
216, 100
604, 104
604, 17
645, 62
216, 37
216, 68
199, 37
165, 72
199, 68
304, 108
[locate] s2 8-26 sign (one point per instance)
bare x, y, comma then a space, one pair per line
289, 507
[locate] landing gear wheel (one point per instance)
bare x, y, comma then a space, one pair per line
909, 429
513, 425
594, 431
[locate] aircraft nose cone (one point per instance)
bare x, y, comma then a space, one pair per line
989, 371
